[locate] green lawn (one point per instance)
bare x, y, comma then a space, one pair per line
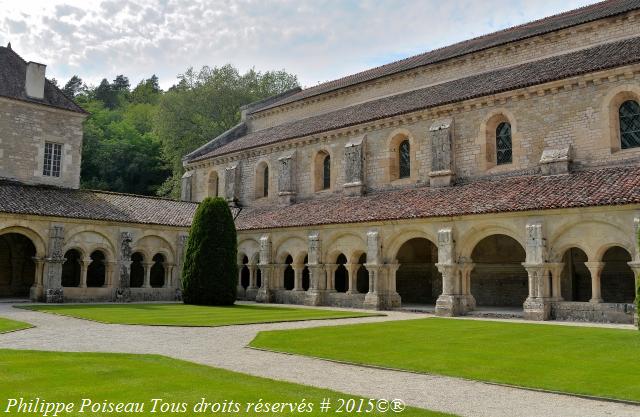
72, 377
592, 361
7, 325
190, 315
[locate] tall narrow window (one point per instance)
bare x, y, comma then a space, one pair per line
503, 144
52, 159
629, 115
326, 173
265, 182
405, 159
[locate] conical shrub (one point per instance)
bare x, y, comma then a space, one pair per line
210, 267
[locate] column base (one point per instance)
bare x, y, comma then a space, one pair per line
264, 296
596, 300
537, 309
373, 301
36, 293
454, 305
314, 298
54, 295
122, 295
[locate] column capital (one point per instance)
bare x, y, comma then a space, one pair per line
594, 266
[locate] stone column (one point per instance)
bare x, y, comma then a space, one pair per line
239, 288
317, 276
330, 270
595, 269
372, 299
556, 280
123, 290
537, 305
147, 274
36, 290
52, 274
252, 277
168, 275
352, 270
84, 268
468, 300
109, 267
265, 294
448, 303
297, 270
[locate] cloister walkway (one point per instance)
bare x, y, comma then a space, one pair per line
225, 347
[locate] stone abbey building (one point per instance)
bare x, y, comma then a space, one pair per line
503, 171
59, 243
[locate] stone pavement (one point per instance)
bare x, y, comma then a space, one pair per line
225, 347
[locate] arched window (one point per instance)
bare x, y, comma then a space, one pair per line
96, 272
71, 269
629, 116
136, 275
404, 161
265, 182
262, 180
503, 144
157, 277
326, 173
214, 183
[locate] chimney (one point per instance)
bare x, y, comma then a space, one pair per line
34, 82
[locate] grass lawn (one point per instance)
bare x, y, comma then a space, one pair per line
71, 377
190, 315
592, 361
7, 325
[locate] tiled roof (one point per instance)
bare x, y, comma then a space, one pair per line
18, 198
539, 27
13, 71
601, 57
596, 187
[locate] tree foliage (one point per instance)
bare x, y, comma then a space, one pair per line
203, 105
210, 272
134, 139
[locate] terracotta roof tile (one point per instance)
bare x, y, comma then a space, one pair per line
601, 57
596, 187
18, 198
539, 27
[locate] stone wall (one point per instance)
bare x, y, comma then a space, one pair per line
582, 36
599, 313
24, 129
579, 116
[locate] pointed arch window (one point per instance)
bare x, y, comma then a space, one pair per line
629, 116
504, 144
404, 163
326, 172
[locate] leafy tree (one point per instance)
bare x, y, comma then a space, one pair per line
106, 94
73, 87
210, 272
121, 84
147, 91
203, 105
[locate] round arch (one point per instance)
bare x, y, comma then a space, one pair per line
401, 237
475, 235
31, 234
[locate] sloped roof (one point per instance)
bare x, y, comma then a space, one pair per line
538, 27
589, 60
595, 187
18, 198
13, 71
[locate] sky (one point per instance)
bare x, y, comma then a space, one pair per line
318, 40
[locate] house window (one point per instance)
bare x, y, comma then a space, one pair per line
629, 114
52, 159
503, 144
404, 162
326, 173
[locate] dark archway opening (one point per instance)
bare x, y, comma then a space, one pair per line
498, 278
289, 274
617, 280
362, 277
245, 274
341, 274
305, 275
17, 268
575, 283
72, 269
157, 271
96, 273
136, 279
418, 281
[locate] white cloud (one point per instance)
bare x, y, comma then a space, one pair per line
318, 40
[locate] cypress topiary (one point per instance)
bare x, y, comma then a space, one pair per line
210, 267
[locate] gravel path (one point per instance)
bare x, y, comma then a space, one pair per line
224, 347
